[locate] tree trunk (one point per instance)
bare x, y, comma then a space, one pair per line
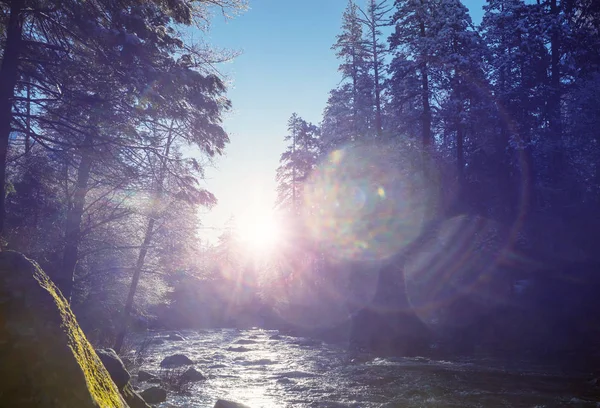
460, 155
137, 272
8, 80
426, 122
294, 207
378, 125
64, 277
354, 97
554, 100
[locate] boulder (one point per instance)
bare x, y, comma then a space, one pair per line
229, 404
240, 349
245, 341
145, 376
154, 395
176, 337
119, 374
176, 360
133, 399
192, 375
46, 359
115, 367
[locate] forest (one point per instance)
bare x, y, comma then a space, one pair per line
446, 203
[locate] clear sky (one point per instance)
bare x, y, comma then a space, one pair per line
286, 66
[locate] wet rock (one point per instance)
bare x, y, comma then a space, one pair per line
46, 360
120, 376
245, 341
262, 361
127, 361
154, 395
176, 337
145, 376
296, 374
240, 349
176, 360
229, 404
115, 367
154, 380
218, 366
193, 375
157, 341
133, 399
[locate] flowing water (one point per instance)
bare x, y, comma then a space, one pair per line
262, 369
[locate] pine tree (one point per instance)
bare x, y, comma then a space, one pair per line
357, 88
374, 18
413, 43
296, 163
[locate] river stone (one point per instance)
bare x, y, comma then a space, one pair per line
154, 395
245, 341
229, 404
240, 349
176, 360
133, 399
176, 337
46, 359
145, 376
193, 375
113, 363
115, 367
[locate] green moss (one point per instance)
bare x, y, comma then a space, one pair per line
103, 390
43, 349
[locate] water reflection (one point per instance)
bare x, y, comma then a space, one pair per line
285, 371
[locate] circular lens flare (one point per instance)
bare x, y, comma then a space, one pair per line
369, 202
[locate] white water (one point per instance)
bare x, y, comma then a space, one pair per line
298, 372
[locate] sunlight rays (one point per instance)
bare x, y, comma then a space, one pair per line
259, 232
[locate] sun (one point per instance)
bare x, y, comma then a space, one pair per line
260, 233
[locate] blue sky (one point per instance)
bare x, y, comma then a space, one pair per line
286, 66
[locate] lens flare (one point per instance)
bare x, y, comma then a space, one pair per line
370, 203
458, 275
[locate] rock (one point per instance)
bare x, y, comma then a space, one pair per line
240, 349
193, 375
229, 404
176, 337
46, 359
245, 341
154, 395
145, 376
154, 380
115, 367
121, 378
133, 399
128, 361
218, 366
176, 360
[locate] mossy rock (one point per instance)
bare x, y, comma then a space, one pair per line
46, 359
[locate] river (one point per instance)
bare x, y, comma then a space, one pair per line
262, 369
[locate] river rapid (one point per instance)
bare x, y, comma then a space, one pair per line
261, 368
